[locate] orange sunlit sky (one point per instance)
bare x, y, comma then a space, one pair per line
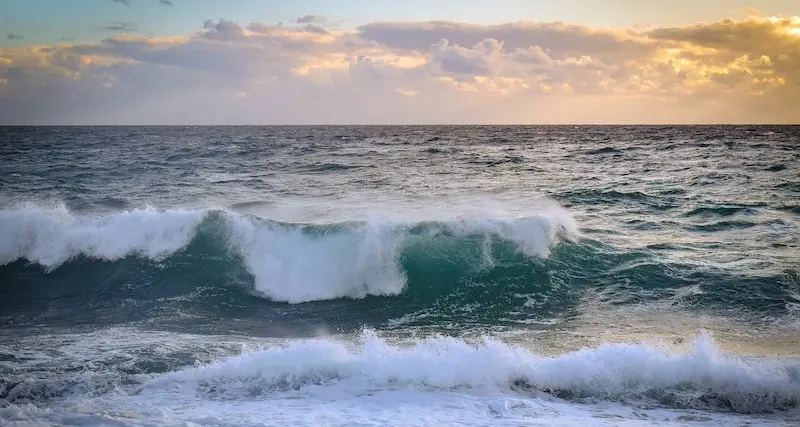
393, 62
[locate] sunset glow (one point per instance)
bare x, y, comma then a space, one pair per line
744, 68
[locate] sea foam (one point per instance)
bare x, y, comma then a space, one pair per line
702, 377
50, 237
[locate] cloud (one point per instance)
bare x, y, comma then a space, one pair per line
759, 54
751, 11
14, 36
125, 27
223, 30
311, 19
562, 39
413, 72
125, 2
166, 2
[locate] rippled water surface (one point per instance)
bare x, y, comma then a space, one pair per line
399, 275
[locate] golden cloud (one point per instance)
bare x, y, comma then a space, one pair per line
753, 62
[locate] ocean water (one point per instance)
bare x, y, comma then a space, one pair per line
403, 276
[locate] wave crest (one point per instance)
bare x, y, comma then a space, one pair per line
293, 265
289, 262
703, 377
51, 237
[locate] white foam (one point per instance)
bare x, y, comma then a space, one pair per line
378, 206
293, 266
51, 237
609, 371
372, 381
533, 235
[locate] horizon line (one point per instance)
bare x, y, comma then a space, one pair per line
402, 124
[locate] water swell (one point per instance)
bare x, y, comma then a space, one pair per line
288, 262
202, 266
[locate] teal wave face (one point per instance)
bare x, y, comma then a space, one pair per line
422, 274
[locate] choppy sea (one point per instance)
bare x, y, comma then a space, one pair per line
400, 276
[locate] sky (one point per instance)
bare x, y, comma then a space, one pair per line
399, 62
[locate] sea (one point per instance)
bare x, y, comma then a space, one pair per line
400, 276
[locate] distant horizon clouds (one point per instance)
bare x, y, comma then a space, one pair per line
310, 69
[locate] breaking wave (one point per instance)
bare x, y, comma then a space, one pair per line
703, 377
288, 262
